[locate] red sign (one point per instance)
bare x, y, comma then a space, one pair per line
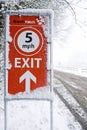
27, 54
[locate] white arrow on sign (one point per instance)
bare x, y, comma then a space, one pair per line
27, 76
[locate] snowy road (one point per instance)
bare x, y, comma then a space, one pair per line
72, 90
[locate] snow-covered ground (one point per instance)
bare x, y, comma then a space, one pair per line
35, 115
63, 118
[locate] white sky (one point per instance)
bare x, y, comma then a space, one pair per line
73, 53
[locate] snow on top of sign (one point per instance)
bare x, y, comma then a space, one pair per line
39, 93
33, 11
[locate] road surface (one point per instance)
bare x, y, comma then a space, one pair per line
72, 89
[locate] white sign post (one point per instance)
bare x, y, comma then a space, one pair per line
28, 57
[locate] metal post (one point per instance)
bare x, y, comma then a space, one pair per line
5, 115
51, 115
5, 100
51, 63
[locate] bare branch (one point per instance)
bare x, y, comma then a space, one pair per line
73, 11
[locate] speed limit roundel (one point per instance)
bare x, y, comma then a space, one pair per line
28, 41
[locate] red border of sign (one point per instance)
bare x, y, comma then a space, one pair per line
16, 41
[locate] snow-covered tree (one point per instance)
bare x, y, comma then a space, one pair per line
65, 13
58, 6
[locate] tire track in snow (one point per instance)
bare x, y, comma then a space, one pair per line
71, 103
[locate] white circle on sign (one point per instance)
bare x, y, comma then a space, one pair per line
28, 41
